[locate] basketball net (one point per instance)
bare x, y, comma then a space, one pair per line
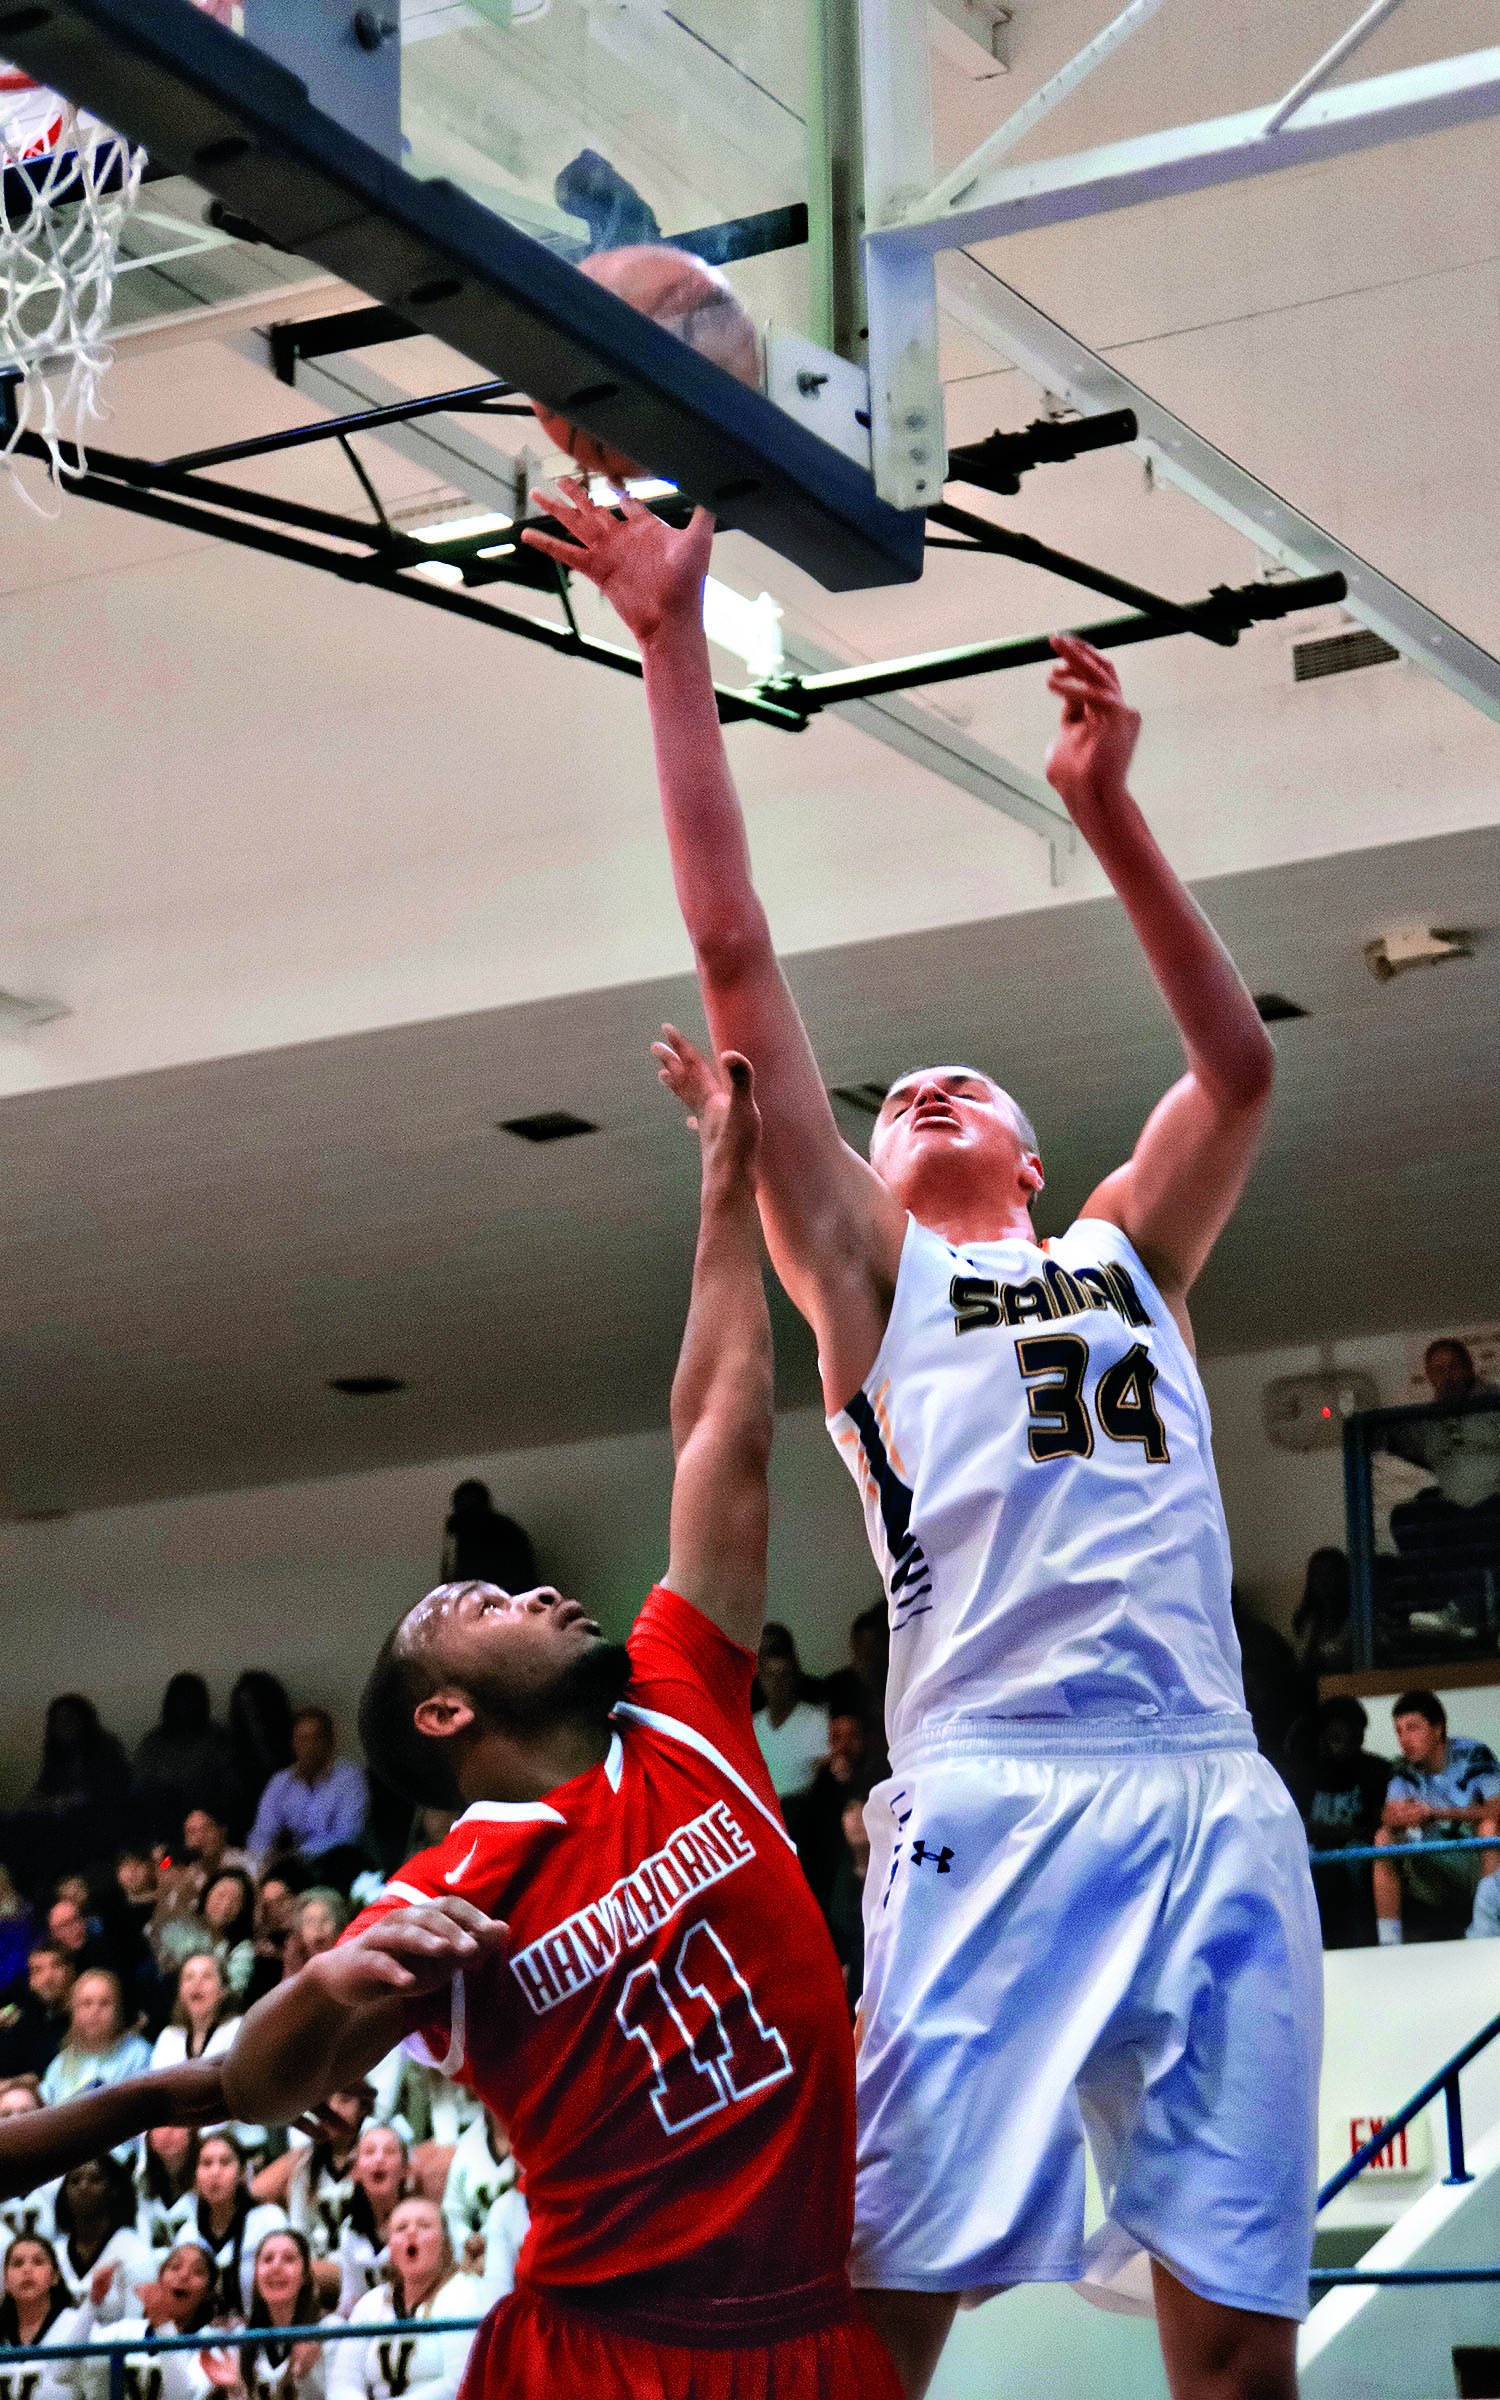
68, 186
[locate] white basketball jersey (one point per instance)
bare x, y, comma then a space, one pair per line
1033, 1451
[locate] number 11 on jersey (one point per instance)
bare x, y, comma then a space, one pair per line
734, 2052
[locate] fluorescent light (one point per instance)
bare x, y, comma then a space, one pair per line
748, 629
602, 489
439, 570
458, 529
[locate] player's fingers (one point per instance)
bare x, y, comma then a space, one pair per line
554, 500
567, 554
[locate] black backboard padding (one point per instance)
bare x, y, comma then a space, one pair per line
210, 106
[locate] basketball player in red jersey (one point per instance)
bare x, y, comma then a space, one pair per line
1088, 1912
615, 1946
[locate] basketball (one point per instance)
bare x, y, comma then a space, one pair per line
685, 297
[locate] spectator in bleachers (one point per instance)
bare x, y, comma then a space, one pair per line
84, 1942
205, 2019
284, 2292
95, 2214
846, 1899
17, 1929
207, 1847
480, 2169
183, 2297
77, 1804
25, 2212
815, 1817
274, 1921
1446, 1786
164, 2172
221, 2213
98, 2049
379, 2176
34, 2028
1273, 1687
859, 1689
313, 2181
135, 1879
228, 1912
260, 1735
424, 2281
1461, 1506
1321, 1627
1341, 1794
185, 1762
482, 1546
37, 2311
315, 1808
791, 1729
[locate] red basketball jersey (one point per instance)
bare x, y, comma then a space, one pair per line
667, 2033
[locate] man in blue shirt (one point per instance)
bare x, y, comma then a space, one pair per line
315, 1807
1447, 1787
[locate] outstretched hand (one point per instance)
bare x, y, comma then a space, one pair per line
1090, 756
648, 572
719, 1097
410, 1952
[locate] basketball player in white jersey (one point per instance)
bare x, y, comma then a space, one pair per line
1088, 1910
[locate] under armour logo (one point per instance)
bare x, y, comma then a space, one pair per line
941, 1859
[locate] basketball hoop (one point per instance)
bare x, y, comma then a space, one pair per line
67, 185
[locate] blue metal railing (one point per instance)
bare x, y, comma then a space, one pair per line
1446, 2082
223, 2337
1395, 1852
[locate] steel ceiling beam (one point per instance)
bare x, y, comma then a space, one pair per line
1193, 158
1059, 363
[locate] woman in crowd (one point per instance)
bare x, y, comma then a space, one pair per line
1321, 1626
163, 2177
283, 2293
185, 2298
421, 2282
322, 1914
224, 2217
205, 2018
271, 1926
37, 2310
75, 1807
480, 2169
379, 2180
28, 2212
228, 1912
101, 2251
98, 2049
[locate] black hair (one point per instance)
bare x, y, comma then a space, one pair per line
184, 1706
241, 1927
120, 2199
777, 1642
1344, 1709
1450, 1341
414, 1764
217, 2296
159, 2182
471, 1499
316, 1716
1421, 1704
58, 2299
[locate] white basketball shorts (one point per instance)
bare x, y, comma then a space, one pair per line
1090, 1933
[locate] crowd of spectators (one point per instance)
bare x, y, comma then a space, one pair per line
145, 1904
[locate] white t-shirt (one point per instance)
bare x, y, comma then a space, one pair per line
1033, 1450
794, 1749
409, 2366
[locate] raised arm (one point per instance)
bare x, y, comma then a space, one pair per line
1176, 1192
721, 1393
833, 1230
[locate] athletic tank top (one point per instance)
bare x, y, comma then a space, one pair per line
1032, 1447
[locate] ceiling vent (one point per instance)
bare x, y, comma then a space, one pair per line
365, 1387
866, 1097
1273, 1008
549, 1125
1340, 654
1409, 946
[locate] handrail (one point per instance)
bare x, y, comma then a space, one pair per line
222, 2337
1396, 1851
1444, 2081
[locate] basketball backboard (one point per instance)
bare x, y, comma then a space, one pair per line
457, 159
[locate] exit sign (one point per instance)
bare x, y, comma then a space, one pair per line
1408, 2152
